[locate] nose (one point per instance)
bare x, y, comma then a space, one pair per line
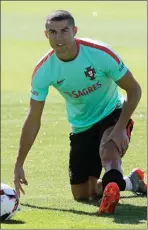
59, 37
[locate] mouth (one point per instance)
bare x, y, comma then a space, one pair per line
60, 45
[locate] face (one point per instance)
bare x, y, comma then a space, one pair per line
61, 36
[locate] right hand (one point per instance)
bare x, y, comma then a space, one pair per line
19, 179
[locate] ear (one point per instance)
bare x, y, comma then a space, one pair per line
46, 34
75, 30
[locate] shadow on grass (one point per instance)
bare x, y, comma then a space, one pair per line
97, 201
133, 196
124, 214
12, 222
130, 214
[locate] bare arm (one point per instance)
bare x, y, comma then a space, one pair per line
133, 91
30, 130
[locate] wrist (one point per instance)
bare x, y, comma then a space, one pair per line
118, 127
19, 163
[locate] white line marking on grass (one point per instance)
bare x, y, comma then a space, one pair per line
95, 14
141, 115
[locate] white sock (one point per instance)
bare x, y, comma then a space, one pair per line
128, 184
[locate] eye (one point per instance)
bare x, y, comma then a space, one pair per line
65, 30
52, 31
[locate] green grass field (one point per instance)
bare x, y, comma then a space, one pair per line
48, 201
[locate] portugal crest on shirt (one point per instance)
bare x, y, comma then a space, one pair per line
90, 72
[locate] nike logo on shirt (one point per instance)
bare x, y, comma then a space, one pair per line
59, 82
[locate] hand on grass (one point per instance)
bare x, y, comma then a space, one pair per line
19, 179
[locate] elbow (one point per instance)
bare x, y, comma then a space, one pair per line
139, 91
135, 92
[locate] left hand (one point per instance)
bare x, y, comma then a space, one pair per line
120, 138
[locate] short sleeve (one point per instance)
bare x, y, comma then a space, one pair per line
39, 85
114, 66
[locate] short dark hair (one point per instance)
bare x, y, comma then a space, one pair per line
60, 15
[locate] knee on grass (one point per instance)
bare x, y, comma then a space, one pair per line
81, 198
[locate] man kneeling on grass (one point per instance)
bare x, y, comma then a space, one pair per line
87, 74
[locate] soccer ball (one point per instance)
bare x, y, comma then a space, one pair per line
9, 202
